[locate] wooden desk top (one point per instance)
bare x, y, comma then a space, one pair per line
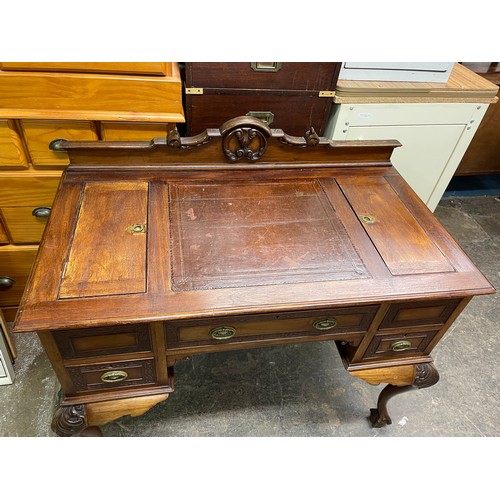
240, 220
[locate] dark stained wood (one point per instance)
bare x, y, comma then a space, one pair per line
247, 229
230, 89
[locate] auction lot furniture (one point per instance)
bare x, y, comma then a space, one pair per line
237, 238
43, 101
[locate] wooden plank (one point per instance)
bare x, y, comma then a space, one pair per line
107, 257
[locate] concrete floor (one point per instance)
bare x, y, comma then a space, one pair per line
303, 390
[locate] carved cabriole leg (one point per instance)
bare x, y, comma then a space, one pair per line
400, 379
85, 419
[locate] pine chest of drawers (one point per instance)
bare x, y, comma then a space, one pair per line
238, 238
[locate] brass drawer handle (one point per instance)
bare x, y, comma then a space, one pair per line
325, 324
114, 376
268, 67
265, 116
5, 281
222, 332
41, 212
137, 228
401, 345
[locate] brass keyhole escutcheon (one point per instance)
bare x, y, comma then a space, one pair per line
325, 324
401, 345
114, 376
222, 332
368, 219
137, 228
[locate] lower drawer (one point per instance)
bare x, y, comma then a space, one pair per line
399, 344
106, 376
15, 267
257, 326
80, 343
294, 114
25, 224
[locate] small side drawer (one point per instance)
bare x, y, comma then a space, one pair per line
282, 325
12, 152
428, 312
23, 225
399, 344
39, 134
105, 376
80, 343
15, 267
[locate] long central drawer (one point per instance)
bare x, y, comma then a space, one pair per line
257, 326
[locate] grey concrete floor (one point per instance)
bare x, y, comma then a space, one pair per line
303, 389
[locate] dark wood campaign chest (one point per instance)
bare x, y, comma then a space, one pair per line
289, 95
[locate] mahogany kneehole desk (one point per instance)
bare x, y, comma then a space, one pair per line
239, 237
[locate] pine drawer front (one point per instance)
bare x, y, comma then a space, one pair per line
114, 375
126, 131
415, 314
39, 134
4, 237
329, 322
399, 345
133, 68
15, 267
12, 152
23, 225
103, 341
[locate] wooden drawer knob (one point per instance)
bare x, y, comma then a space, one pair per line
222, 332
5, 281
325, 324
41, 212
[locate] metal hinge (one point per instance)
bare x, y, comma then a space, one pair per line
194, 90
327, 93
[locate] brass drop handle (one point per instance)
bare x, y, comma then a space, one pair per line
114, 376
325, 324
401, 345
41, 212
222, 332
5, 281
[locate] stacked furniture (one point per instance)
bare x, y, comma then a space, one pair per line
41, 102
435, 122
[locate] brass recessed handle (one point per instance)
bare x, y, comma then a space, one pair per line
114, 376
401, 345
368, 219
325, 324
41, 212
267, 67
222, 332
5, 281
265, 116
137, 228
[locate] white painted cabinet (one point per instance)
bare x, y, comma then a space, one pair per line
434, 137
6, 369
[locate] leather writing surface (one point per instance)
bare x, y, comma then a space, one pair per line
232, 234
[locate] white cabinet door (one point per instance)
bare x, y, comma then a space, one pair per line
6, 369
434, 138
425, 153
